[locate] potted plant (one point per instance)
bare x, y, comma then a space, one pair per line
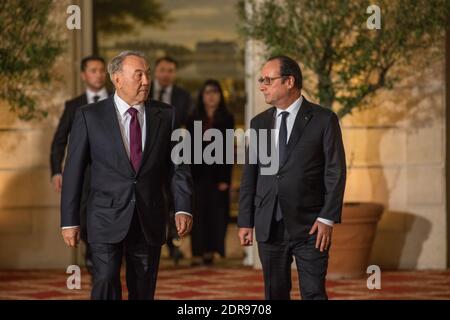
345, 63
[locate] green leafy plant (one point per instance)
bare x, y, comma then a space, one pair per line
349, 61
27, 53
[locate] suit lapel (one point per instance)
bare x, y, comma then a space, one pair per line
269, 119
174, 97
269, 124
150, 95
83, 100
152, 122
112, 124
304, 115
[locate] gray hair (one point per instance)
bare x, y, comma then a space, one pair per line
115, 65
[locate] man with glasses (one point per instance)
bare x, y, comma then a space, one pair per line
293, 210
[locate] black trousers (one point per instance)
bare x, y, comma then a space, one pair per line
276, 257
83, 219
142, 262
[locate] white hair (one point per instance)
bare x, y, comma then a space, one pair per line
115, 65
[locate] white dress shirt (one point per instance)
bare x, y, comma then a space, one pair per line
290, 120
167, 95
102, 94
124, 123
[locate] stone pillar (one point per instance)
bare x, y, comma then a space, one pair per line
254, 60
29, 207
447, 137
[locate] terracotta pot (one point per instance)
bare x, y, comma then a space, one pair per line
352, 240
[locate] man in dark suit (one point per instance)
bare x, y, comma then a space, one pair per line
127, 141
93, 74
164, 89
293, 210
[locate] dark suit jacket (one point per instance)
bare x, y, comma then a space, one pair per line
181, 100
115, 189
61, 136
309, 184
59, 143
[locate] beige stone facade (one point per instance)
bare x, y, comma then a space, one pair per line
29, 208
396, 151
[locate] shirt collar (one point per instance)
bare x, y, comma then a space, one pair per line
102, 93
293, 108
123, 107
158, 87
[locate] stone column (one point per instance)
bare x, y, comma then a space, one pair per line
254, 60
29, 208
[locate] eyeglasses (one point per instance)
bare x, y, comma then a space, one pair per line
267, 81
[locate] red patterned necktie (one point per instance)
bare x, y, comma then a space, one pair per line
135, 139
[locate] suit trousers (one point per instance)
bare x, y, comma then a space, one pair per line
276, 255
83, 219
142, 262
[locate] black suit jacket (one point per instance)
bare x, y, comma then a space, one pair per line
115, 188
309, 184
61, 136
59, 143
181, 101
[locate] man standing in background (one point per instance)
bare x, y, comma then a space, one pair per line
93, 74
165, 90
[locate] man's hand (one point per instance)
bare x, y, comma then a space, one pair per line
246, 236
71, 236
57, 182
323, 235
183, 222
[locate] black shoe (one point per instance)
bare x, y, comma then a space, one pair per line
208, 259
196, 262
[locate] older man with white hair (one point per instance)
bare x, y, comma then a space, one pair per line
127, 142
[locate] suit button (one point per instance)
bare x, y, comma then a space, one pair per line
134, 182
133, 200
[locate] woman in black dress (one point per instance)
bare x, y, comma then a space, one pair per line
211, 181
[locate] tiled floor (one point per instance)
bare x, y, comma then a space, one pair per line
226, 282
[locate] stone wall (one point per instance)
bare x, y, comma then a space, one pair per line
29, 208
395, 153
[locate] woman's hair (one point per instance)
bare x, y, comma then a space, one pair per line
221, 111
